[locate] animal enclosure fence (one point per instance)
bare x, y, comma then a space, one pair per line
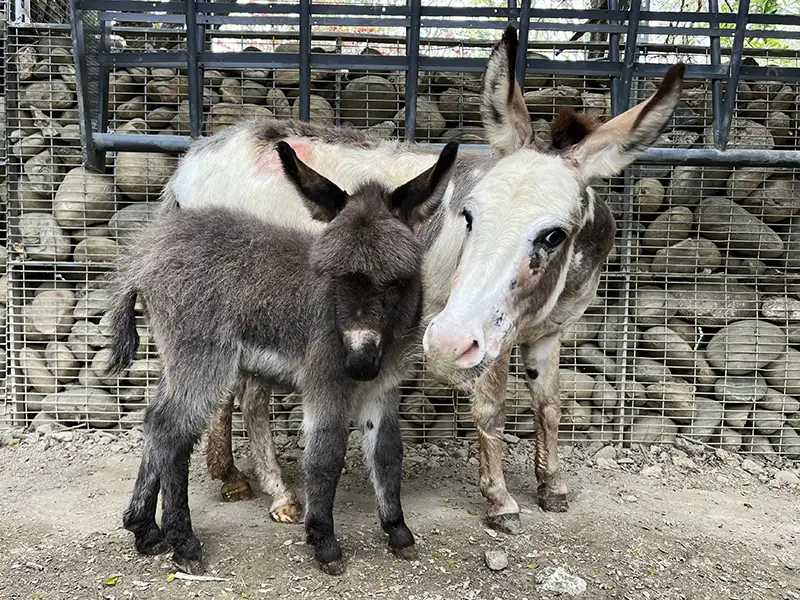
696, 327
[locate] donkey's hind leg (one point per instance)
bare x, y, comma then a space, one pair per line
285, 508
219, 454
383, 450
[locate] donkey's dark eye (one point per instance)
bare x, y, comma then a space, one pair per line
552, 238
468, 217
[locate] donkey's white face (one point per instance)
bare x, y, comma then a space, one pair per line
523, 217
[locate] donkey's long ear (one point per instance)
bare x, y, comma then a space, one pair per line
617, 143
418, 199
323, 198
503, 111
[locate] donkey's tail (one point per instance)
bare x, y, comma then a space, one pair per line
124, 337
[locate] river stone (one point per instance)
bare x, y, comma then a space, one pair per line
575, 385
368, 100
83, 340
36, 372
774, 400
746, 134
675, 398
611, 334
604, 395
132, 109
775, 200
144, 371
96, 250
161, 117
383, 131
730, 440
653, 306
668, 229
583, 330
23, 63
647, 370
417, 409
47, 95
759, 445
29, 146
688, 331
596, 104
745, 346
688, 184
143, 174
787, 442
50, 313
783, 374
593, 360
460, 106
96, 407
653, 430
61, 362
577, 414
724, 221
253, 92
100, 363
550, 101
648, 195
713, 301
169, 91
781, 309
42, 237
278, 103
84, 198
688, 256
784, 100
740, 389
666, 344
320, 111
767, 422
44, 172
707, 420
745, 180
780, 126
223, 115
92, 303
430, 122
128, 220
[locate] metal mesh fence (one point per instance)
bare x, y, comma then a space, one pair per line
696, 325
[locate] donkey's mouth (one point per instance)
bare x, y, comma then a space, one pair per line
463, 380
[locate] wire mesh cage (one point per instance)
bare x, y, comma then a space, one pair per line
694, 331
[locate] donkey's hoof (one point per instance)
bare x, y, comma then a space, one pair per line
506, 523
192, 566
152, 543
335, 567
236, 490
287, 512
552, 502
407, 553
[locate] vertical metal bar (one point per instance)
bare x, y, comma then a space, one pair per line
412, 75
104, 73
716, 60
522, 51
93, 158
732, 83
613, 57
305, 60
195, 84
631, 39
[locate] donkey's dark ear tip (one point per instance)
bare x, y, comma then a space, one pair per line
284, 149
448, 155
510, 34
675, 73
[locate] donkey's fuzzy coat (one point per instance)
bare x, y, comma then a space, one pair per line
513, 256
232, 300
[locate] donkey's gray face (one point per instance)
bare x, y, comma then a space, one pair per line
523, 217
369, 256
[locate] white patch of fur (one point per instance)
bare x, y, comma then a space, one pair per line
577, 259
535, 354
271, 364
358, 338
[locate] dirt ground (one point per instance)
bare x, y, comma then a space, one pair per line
648, 523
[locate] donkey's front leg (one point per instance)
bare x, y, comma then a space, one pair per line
285, 506
219, 454
541, 370
325, 423
488, 410
382, 445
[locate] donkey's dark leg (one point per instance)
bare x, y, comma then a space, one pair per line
488, 409
140, 516
285, 508
541, 367
325, 424
219, 455
383, 450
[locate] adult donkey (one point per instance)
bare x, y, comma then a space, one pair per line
513, 255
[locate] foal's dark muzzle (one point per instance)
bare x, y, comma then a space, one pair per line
364, 364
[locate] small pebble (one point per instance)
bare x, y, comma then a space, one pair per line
752, 467
496, 560
787, 478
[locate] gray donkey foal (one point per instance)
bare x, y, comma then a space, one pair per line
231, 299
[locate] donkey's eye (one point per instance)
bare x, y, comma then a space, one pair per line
553, 238
468, 217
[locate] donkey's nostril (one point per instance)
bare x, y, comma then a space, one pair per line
471, 356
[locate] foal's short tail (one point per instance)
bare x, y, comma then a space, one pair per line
124, 337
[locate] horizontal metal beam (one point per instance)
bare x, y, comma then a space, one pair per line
680, 156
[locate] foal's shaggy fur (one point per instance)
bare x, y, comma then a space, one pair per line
333, 314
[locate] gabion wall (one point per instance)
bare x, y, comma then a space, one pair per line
695, 330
